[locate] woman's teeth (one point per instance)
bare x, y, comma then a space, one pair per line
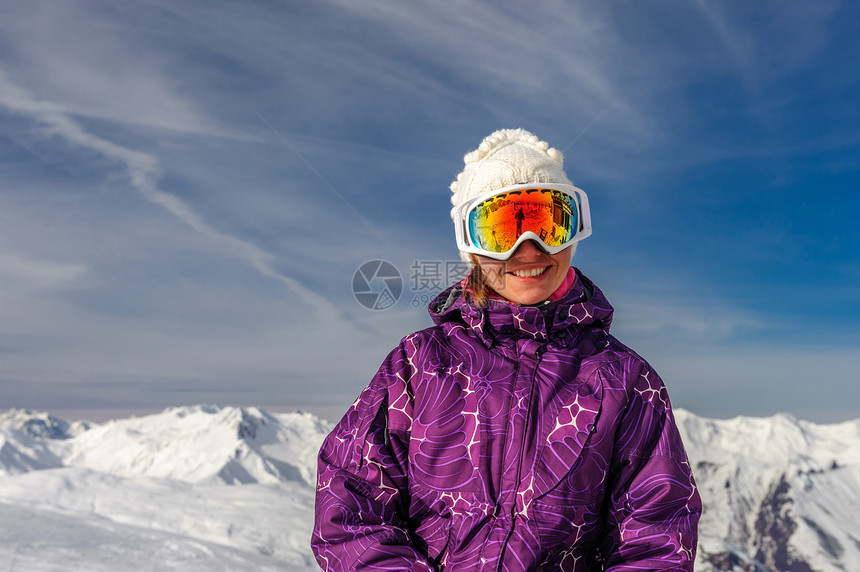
528, 273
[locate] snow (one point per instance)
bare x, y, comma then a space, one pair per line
226, 488
191, 488
39, 540
777, 474
202, 443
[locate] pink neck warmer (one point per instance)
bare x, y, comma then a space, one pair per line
566, 285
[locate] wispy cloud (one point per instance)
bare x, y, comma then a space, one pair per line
144, 171
705, 319
737, 46
479, 45
89, 59
819, 384
763, 49
154, 229
40, 273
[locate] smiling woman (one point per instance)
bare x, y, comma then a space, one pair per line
516, 433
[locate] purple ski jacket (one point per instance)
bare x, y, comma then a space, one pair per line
509, 438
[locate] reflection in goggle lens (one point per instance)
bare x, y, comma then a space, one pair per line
496, 223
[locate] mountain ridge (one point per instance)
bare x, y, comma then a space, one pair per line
779, 493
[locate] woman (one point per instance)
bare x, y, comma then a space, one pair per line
516, 433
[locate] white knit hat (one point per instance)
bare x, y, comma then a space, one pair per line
507, 157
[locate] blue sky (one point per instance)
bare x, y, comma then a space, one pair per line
187, 189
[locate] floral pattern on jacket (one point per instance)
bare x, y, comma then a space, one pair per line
509, 438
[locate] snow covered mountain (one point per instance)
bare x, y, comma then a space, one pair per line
225, 488
153, 493
779, 494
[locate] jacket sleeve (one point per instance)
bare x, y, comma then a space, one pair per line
362, 490
654, 507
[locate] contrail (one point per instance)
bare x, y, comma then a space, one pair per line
144, 172
325, 181
584, 131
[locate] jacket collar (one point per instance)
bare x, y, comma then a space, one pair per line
583, 307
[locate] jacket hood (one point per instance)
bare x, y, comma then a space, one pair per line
584, 307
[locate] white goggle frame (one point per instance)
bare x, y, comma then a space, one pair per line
465, 242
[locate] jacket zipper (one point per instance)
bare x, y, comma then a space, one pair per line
526, 421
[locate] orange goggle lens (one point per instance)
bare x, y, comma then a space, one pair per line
497, 223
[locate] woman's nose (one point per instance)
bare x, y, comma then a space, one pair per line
528, 249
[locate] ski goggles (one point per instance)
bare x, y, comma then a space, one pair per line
494, 224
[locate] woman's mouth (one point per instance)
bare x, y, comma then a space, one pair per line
530, 272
